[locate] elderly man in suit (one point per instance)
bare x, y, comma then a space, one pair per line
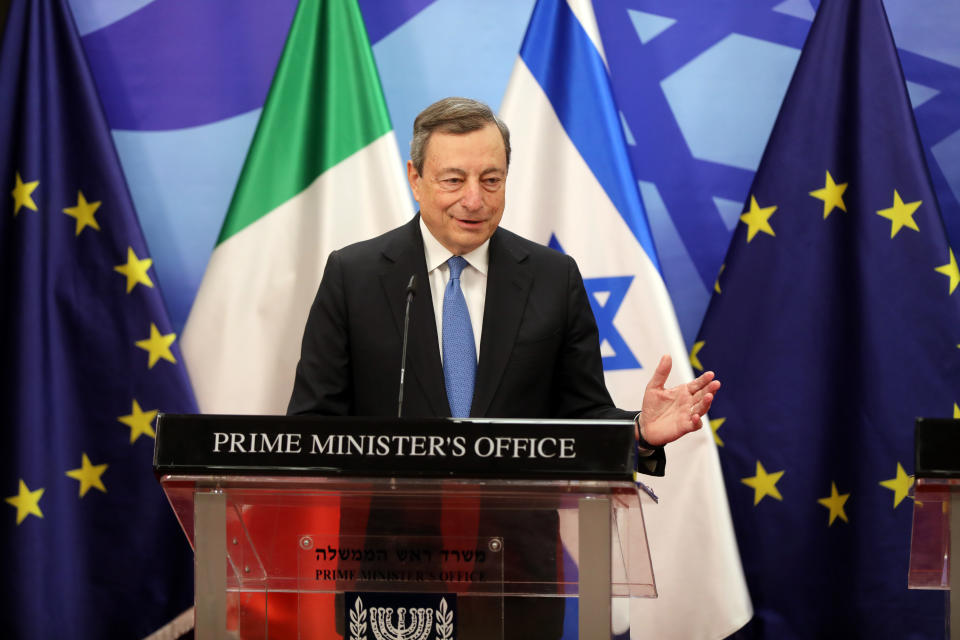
535, 342
503, 329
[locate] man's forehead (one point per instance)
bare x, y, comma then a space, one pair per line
445, 151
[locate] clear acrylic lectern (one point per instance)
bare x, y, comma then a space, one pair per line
405, 529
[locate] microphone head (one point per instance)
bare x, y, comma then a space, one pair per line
412, 285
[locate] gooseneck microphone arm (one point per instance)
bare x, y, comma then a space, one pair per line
411, 291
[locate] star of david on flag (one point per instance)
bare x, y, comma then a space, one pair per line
606, 295
571, 182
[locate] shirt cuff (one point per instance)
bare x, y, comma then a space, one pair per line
644, 448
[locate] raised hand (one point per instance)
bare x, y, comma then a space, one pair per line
671, 413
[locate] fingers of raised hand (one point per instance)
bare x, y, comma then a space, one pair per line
702, 381
710, 389
703, 405
693, 422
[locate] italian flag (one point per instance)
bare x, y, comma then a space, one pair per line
322, 172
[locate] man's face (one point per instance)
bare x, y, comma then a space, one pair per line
461, 192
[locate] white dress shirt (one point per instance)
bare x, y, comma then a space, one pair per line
473, 282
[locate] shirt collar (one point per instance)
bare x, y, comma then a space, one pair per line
437, 255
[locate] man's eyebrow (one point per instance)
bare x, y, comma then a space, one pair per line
455, 170
460, 172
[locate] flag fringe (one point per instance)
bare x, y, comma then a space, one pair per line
176, 628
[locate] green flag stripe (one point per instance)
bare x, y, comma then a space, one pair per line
325, 104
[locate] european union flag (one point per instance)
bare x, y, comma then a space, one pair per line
87, 355
835, 322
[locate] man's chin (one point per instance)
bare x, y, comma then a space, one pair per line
468, 239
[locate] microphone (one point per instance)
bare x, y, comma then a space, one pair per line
411, 291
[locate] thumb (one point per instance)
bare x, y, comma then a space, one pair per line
660, 374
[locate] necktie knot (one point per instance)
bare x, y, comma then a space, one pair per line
456, 264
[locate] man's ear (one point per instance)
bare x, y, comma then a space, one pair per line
413, 177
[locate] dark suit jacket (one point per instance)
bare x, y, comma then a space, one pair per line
539, 358
539, 345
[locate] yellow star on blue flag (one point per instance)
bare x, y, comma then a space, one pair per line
831, 340
95, 550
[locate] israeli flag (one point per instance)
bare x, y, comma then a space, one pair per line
571, 186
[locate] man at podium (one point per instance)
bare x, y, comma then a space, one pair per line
499, 326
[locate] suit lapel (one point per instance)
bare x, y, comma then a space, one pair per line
403, 258
508, 285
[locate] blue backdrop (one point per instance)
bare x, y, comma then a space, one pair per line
698, 84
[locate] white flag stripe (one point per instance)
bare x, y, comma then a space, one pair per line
588, 20
242, 343
552, 191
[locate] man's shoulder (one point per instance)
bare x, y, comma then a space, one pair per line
364, 249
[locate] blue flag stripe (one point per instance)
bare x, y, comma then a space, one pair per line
569, 69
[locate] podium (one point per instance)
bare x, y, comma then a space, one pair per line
935, 538
311, 527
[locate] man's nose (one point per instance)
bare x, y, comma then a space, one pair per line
472, 199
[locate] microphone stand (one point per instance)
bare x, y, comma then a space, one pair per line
411, 291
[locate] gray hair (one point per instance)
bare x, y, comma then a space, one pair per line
453, 115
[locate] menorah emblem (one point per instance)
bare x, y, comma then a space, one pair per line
408, 623
381, 623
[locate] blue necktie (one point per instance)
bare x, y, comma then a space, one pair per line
459, 349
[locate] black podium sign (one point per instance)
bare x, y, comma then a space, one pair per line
279, 445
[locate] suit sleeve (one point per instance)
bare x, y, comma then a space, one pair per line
323, 379
583, 392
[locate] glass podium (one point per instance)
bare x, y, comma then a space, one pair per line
935, 538
405, 529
